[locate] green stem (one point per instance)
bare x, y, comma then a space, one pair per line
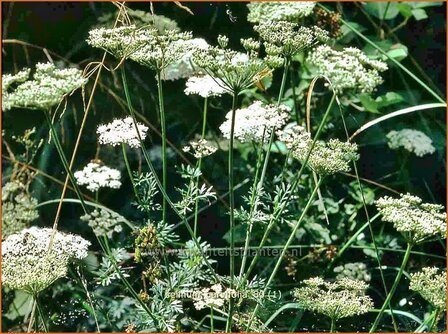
292, 236
333, 325
280, 209
232, 208
196, 205
265, 165
435, 320
394, 287
41, 315
164, 141
57, 143
159, 184
128, 168
212, 326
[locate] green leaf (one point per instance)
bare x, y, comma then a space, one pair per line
405, 9
398, 52
419, 14
388, 99
347, 34
368, 103
425, 4
382, 10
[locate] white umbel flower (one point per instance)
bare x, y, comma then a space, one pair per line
333, 156
416, 220
256, 122
339, 299
121, 131
26, 263
349, 70
200, 148
45, 90
204, 86
430, 283
183, 68
279, 10
411, 140
210, 297
95, 176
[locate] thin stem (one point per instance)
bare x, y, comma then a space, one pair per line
33, 314
232, 207
159, 184
128, 168
394, 287
196, 205
333, 325
435, 320
294, 186
294, 97
164, 140
41, 314
286, 246
212, 325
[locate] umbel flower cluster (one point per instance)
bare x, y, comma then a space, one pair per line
353, 270
204, 86
339, 299
95, 176
48, 86
146, 46
256, 122
349, 70
430, 283
279, 10
288, 39
417, 221
411, 140
121, 131
325, 158
213, 297
200, 149
234, 70
104, 222
28, 265
18, 208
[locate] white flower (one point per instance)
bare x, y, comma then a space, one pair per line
355, 270
325, 158
121, 131
339, 299
200, 148
18, 208
279, 10
256, 122
430, 283
417, 221
347, 70
204, 86
210, 297
103, 222
411, 140
46, 90
26, 263
183, 68
95, 176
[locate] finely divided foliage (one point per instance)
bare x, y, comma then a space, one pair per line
303, 233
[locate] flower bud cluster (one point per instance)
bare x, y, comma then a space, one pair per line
349, 70
279, 10
339, 299
325, 158
411, 140
28, 265
417, 221
45, 90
